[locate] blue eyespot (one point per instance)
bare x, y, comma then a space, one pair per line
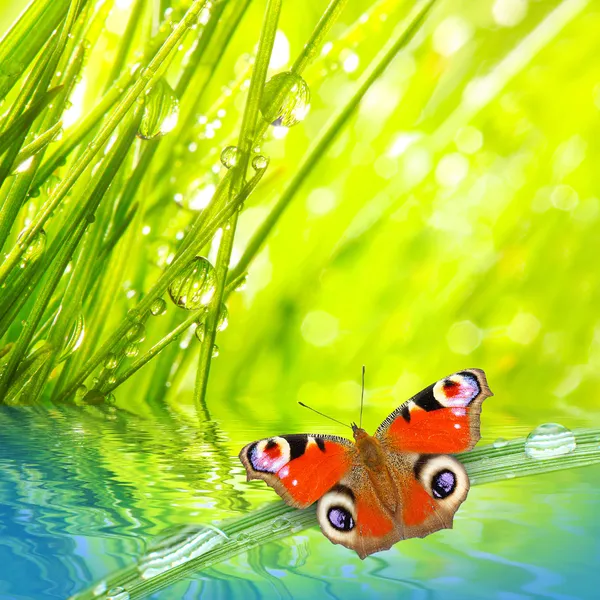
340, 518
443, 484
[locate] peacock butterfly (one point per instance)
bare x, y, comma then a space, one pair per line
398, 484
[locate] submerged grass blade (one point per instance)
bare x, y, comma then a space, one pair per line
207, 546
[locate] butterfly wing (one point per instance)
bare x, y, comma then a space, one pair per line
300, 467
413, 496
443, 418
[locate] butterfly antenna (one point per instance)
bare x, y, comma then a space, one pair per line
323, 415
362, 396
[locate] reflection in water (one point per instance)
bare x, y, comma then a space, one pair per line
84, 494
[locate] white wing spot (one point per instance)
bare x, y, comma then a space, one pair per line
456, 426
284, 472
295, 482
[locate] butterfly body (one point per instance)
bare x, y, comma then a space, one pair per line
396, 484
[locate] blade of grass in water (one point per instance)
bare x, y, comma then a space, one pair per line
201, 547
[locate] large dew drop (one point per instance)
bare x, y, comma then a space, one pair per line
230, 156
75, 337
160, 112
292, 107
117, 593
158, 307
549, 440
194, 287
35, 249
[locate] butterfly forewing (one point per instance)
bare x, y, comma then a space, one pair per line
443, 418
300, 467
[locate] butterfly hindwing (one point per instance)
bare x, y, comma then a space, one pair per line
443, 418
300, 467
415, 496
353, 514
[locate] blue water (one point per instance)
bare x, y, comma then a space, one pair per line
84, 494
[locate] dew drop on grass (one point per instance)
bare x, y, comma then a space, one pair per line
500, 443
194, 287
230, 156
36, 247
243, 284
158, 307
200, 332
117, 593
134, 316
137, 333
161, 111
223, 318
549, 440
94, 397
280, 524
81, 391
75, 337
131, 350
215, 351
295, 103
260, 162
111, 362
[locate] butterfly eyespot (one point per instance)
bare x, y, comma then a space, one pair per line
443, 484
340, 518
270, 455
458, 390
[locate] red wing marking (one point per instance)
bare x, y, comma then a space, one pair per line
371, 518
417, 505
442, 431
309, 476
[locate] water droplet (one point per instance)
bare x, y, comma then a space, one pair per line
81, 391
500, 443
260, 162
117, 593
134, 316
131, 350
160, 112
280, 524
75, 337
94, 397
549, 440
35, 248
243, 284
215, 351
223, 318
294, 105
137, 333
200, 332
111, 362
230, 156
158, 307
194, 287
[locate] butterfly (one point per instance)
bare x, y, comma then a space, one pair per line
398, 484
